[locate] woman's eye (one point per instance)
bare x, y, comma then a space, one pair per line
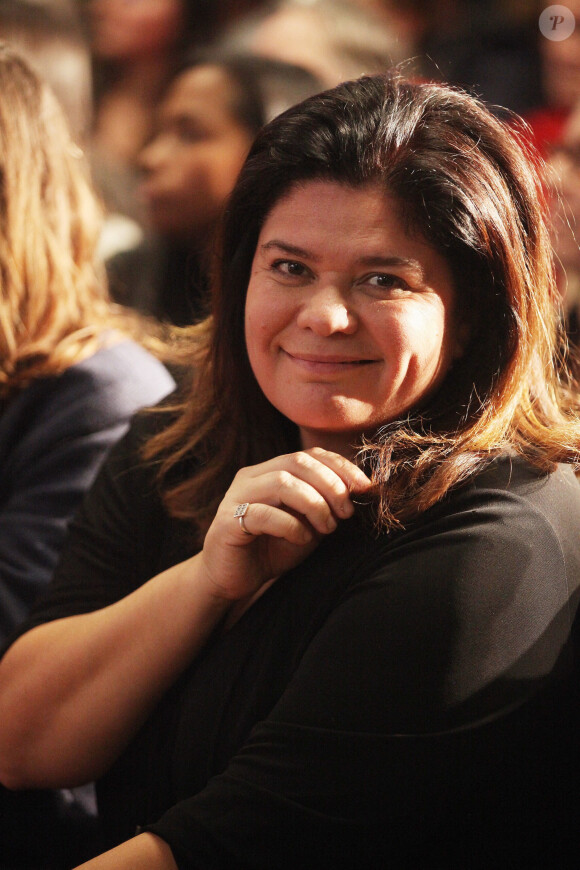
292, 268
388, 283
188, 132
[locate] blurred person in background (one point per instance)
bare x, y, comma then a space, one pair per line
559, 81
136, 47
335, 39
205, 125
49, 33
73, 365
51, 36
74, 368
565, 163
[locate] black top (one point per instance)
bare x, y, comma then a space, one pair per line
394, 701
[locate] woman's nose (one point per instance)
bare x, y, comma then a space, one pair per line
153, 154
327, 311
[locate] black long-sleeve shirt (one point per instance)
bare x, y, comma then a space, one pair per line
406, 700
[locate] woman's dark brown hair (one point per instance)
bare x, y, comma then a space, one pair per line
466, 183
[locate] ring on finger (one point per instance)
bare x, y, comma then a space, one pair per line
240, 512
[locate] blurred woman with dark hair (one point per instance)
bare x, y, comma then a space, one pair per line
136, 48
205, 125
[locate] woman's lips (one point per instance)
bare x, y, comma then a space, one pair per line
327, 364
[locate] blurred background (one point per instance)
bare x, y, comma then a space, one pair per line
160, 136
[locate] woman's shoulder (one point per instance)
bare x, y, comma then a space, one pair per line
508, 493
515, 473
125, 364
476, 598
109, 386
508, 505
509, 531
508, 508
512, 487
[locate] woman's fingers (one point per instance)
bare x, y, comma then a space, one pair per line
282, 489
315, 483
286, 504
264, 519
352, 475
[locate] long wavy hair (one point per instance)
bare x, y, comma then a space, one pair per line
469, 185
54, 304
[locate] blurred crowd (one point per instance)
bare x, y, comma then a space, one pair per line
156, 95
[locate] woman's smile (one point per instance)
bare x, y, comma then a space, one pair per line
326, 364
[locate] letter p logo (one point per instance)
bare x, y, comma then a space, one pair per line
557, 23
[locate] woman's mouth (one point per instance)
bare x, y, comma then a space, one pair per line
327, 363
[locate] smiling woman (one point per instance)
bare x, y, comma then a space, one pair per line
323, 611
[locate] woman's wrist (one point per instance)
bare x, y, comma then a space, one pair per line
208, 588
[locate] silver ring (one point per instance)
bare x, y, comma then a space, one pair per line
240, 512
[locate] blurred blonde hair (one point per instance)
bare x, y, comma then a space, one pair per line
54, 304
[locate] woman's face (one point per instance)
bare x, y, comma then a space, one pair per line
192, 162
350, 322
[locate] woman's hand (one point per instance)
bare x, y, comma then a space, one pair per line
79, 688
293, 500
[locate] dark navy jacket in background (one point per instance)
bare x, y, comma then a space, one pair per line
53, 437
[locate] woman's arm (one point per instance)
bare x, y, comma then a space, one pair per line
145, 852
74, 691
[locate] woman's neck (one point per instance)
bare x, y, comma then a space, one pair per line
337, 442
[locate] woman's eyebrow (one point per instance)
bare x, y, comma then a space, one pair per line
376, 261
287, 248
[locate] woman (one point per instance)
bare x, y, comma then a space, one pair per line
73, 371
328, 623
206, 123
74, 368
